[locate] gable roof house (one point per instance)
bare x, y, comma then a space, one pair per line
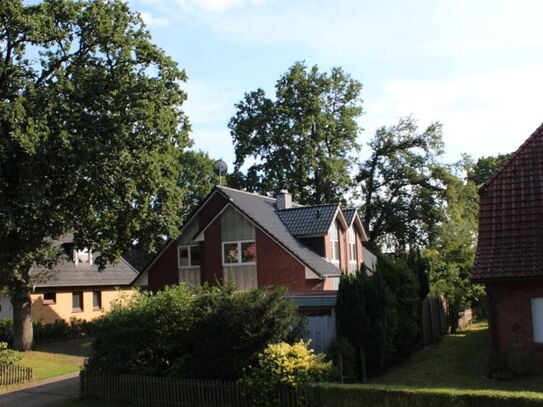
74, 288
509, 258
257, 241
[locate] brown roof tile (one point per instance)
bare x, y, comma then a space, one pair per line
510, 243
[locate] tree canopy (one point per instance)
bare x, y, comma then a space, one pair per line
400, 184
303, 140
91, 135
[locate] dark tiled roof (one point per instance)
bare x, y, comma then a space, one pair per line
139, 259
308, 220
510, 243
262, 211
349, 215
68, 274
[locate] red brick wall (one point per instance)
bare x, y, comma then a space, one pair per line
275, 266
510, 315
212, 272
164, 271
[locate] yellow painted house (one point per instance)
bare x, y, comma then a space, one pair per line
75, 288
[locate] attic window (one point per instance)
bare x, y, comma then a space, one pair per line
82, 256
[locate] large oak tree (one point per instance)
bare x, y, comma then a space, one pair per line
303, 139
91, 135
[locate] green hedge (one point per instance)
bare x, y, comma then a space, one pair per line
335, 395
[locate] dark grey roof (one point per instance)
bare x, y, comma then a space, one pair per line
262, 211
138, 258
68, 274
349, 215
308, 220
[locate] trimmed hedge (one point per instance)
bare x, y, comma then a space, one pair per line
335, 395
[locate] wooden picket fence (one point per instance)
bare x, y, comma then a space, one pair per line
149, 391
13, 374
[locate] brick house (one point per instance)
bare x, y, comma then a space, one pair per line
258, 241
74, 288
509, 259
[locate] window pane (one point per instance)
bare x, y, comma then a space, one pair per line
248, 252
195, 255
183, 256
77, 301
230, 253
335, 250
96, 300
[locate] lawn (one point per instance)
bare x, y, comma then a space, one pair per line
55, 359
455, 362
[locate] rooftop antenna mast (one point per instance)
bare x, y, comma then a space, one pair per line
220, 168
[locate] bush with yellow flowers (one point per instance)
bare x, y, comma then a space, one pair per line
291, 365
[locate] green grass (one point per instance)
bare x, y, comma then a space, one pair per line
55, 359
455, 362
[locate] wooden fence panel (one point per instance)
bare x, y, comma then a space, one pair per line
13, 374
167, 392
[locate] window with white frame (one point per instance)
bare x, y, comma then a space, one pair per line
353, 255
537, 319
189, 256
334, 243
240, 252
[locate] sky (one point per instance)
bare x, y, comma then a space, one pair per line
475, 66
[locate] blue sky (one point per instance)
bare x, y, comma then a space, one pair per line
476, 66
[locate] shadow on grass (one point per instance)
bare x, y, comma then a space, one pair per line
457, 361
72, 347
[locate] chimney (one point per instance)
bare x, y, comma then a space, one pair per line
284, 200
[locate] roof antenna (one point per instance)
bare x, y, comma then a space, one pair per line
220, 168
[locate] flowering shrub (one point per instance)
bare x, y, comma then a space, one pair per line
290, 365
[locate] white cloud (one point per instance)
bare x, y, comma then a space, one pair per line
154, 21
216, 6
482, 114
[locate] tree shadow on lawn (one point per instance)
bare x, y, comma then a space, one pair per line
456, 361
72, 347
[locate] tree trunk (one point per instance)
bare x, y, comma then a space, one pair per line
22, 320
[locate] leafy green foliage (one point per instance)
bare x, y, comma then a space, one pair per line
400, 185
208, 333
451, 255
480, 171
303, 139
196, 178
288, 364
512, 364
91, 136
6, 330
9, 356
379, 315
142, 334
384, 396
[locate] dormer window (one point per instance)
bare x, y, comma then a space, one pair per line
82, 256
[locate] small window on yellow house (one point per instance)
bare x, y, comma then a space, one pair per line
49, 298
77, 301
96, 300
